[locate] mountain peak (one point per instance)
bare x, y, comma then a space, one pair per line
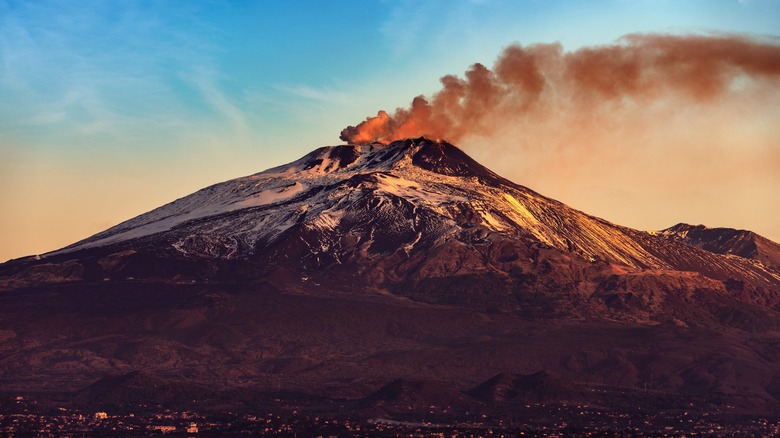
386, 254
364, 203
740, 243
431, 155
326, 173
445, 159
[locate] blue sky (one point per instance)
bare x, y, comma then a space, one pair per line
111, 108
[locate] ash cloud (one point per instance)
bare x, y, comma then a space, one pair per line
541, 80
647, 132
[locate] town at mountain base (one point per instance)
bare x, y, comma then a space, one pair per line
403, 281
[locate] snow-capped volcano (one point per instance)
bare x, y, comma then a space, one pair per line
382, 207
343, 187
361, 264
316, 191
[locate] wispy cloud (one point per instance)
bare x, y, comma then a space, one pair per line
94, 68
313, 93
205, 81
409, 25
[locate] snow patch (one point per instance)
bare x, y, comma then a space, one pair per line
271, 196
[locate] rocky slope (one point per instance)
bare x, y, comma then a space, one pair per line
741, 243
402, 214
362, 265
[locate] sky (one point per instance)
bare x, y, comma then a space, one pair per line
109, 109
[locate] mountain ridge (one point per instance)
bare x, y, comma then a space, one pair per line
317, 165
741, 243
356, 266
384, 204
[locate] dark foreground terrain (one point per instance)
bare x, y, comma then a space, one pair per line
226, 354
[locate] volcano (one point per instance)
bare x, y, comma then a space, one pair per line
361, 266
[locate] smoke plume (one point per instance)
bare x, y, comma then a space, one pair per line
647, 132
533, 81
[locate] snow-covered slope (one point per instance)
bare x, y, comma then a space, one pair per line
319, 190
417, 209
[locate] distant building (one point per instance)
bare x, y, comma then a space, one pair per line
100, 415
192, 428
